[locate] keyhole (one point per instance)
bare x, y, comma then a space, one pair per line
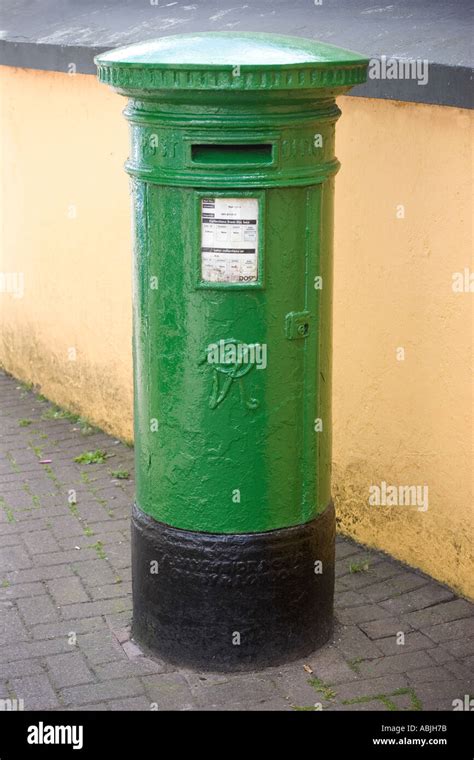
303, 329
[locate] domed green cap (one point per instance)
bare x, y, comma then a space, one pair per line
231, 61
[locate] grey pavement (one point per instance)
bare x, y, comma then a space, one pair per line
402, 641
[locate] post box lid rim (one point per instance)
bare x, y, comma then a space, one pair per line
223, 51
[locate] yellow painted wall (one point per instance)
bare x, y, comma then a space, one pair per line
66, 227
405, 422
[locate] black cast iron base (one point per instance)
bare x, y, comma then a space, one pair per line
232, 602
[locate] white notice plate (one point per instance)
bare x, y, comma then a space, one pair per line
229, 239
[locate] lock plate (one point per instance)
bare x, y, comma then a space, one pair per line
297, 324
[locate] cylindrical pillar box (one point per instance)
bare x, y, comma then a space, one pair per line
232, 160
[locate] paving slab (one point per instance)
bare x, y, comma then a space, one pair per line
401, 640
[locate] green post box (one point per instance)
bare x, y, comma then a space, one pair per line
232, 164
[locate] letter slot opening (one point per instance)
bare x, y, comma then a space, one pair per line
236, 155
